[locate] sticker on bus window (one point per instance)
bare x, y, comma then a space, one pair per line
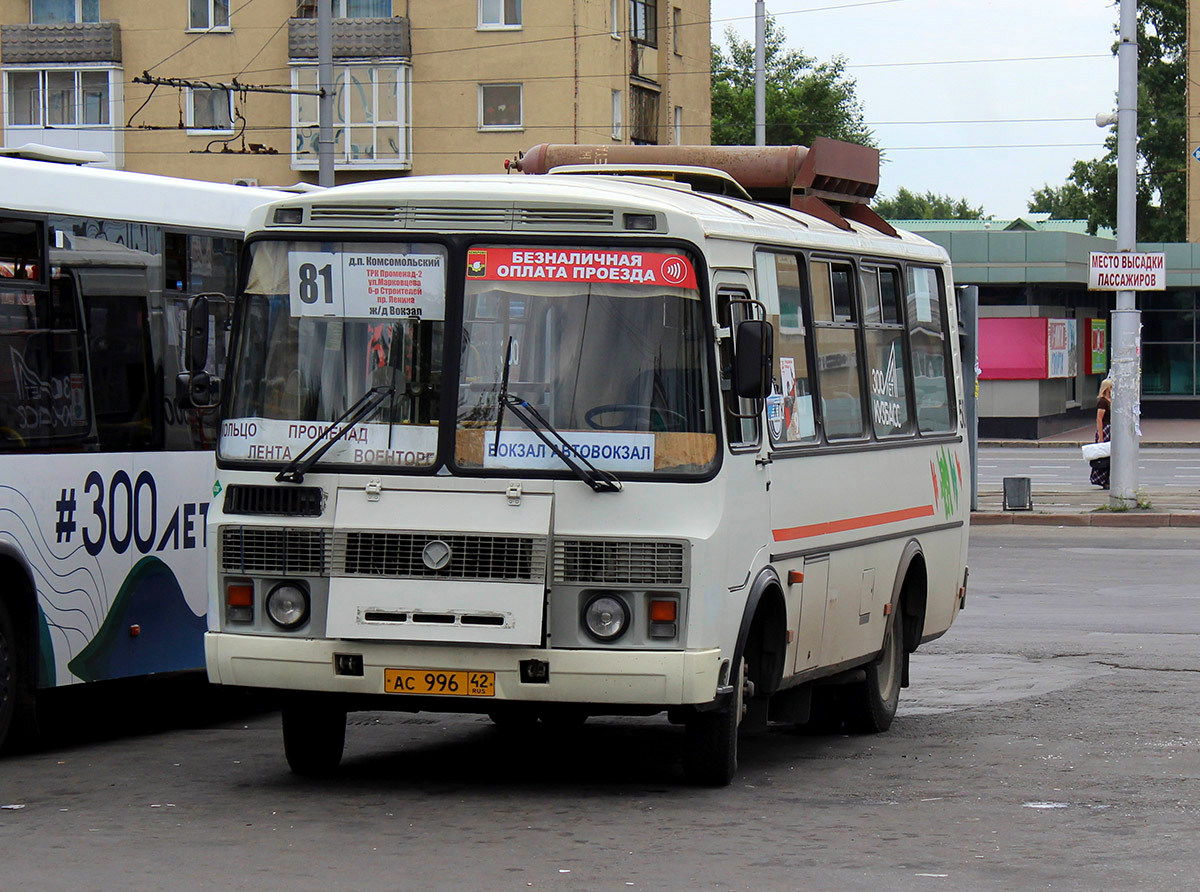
553, 265
364, 285
617, 452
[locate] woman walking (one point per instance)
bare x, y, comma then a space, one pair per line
1103, 432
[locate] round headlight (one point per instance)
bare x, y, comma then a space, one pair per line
287, 605
606, 617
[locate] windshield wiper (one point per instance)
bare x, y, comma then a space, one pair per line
598, 480
293, 471
503, 398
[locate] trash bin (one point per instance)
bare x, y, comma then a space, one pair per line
1018, 494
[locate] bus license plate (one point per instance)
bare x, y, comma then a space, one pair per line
450, 682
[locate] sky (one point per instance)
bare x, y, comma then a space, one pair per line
948, 121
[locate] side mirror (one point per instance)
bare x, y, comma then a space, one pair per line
752, 359
195, 388
195, 348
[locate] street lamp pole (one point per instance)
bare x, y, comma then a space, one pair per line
760, 73
1126, 360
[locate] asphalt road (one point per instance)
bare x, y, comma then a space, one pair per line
1057, 468
1050, 740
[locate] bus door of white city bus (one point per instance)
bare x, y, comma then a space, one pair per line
790, 417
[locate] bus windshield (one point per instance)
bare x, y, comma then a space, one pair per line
605, 349
323, 324
600, 345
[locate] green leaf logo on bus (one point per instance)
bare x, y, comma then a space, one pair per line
947, 480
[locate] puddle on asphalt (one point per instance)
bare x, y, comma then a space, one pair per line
950, 682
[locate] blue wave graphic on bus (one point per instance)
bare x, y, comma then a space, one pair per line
171, 636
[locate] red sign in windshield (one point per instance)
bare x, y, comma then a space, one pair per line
553, 265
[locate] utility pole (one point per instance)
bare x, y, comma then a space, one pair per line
325, 84
760, 73
1127, 325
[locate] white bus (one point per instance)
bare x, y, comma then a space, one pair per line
546, 447
105, 477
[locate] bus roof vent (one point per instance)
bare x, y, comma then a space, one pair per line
569, 218
33, 151
356, 214
831, 180
459, 217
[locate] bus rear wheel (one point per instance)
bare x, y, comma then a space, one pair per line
314, 737
710, 756
871, 703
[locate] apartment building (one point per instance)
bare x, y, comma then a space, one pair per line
421, 87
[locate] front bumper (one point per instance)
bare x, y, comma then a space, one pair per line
654, 678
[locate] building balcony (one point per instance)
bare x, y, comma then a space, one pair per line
60, 44
389, 38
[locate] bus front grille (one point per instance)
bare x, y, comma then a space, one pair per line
301, 551
402, 555
289, 501
619, 562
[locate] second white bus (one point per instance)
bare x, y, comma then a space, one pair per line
554, 446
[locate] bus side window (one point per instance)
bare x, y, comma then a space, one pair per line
741, 422
790, 410
883, 338
933, 388
119, 352
837, 349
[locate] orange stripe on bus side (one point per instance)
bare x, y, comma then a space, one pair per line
852, 523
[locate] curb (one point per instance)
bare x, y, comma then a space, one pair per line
1087, 519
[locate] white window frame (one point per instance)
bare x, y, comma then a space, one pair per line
303, 130
78, 19
339, 10
43, 111
192, 129
614, 15
678, 122
494, 128
196, 29
618, 115
484, 25
676, 22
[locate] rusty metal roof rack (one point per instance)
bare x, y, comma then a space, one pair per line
831, 180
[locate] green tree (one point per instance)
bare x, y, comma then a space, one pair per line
804, 98
906, 205
1090, 192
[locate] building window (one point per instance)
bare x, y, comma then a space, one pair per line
348, 9
643, 116
208, 15
210, 110
370, 116
499, 106
643, 21
679, 125
499, 13
57, 97
676, 20
614, 19
63, 12
618, 114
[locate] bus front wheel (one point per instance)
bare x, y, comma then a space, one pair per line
711, 739
871, 703
314, 736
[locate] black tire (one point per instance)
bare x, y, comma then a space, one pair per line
710, 755
870, 705
314, 736
11, 681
